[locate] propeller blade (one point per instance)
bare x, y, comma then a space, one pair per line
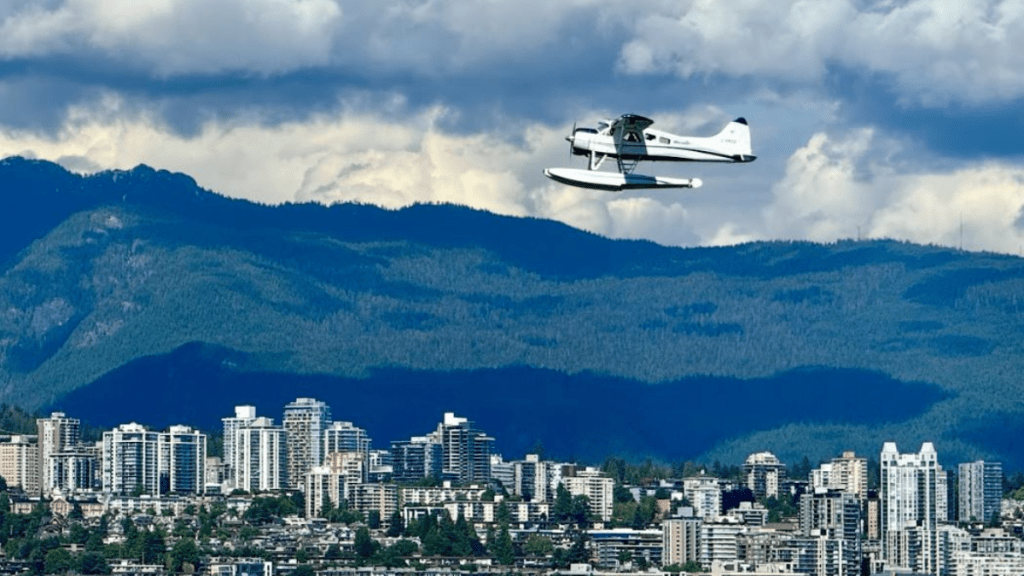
571, 136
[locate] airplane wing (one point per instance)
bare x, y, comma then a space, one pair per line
630, 122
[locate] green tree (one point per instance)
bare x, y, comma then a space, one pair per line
303, 570
333, 552
396, 525
373, 519
502, 513
405, 547
580, 510
90, 563
502, 549
561, 511
184, 554
537, 545
149, 547
58, 561
364, 545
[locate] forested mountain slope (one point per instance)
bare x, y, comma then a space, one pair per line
142, 279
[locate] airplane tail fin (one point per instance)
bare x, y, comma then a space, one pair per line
735, 139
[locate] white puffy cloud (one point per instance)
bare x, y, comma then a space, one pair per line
178, 36
837, 187
388, 160
832, 187
934, 50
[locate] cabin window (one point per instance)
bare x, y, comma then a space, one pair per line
631, 137
663, 140
650, 137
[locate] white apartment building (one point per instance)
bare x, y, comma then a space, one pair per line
593, 484
19, 463
536, 480
365, 498
324, 485
913, 505
440, 495
243, 416
980, 491
503, 472
261, 456
848, 473
465, 451
833, 515
345, 437
681, 540
75, 470
704, 494
765, 474
305, 420
55, 434
485, 512
719, 541
353, 465
137, 460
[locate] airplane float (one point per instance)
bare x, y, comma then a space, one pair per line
629, 139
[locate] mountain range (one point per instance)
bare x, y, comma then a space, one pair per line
138, 295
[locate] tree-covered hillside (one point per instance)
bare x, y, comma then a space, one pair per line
101, 271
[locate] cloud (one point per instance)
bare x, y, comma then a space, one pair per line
842, 187
177, 36
387, 160
835, 185
934, 51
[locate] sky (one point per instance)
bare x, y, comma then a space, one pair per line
870, 119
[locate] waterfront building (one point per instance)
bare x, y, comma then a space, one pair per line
304, 423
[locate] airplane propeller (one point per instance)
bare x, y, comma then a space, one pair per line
570, 138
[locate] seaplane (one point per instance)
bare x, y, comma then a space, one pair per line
630, 140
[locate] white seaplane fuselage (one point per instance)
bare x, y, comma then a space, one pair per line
630, 140
659, 146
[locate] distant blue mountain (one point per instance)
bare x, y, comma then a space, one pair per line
137, 295
520, 406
